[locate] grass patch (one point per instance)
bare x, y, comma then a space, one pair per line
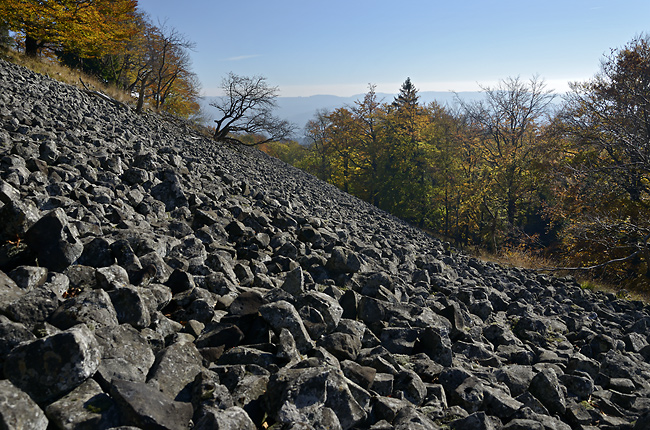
530, 260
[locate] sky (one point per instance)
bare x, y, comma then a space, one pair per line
339, 47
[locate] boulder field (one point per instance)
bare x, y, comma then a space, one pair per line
152, 278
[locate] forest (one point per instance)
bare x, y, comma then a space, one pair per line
565, 178
562, 177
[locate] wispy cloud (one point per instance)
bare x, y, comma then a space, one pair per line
242, 57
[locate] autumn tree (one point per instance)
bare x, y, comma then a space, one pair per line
169, 61
316, 133
82, 26
247, 108
369, 114
604, 189
506, 129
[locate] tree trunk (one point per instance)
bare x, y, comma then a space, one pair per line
4, 36
31, 46
143, 86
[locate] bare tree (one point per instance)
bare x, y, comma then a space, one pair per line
246, 108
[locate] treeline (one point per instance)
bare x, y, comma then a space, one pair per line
113, 41
566, 177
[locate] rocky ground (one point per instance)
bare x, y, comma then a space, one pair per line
151, 278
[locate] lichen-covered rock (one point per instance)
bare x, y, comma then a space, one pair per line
546, 387
18, 410
282, 314
92, 307
299, 395
48, 368
54, 240
126, 354
85, 407
142, 405
230, 418
175, 368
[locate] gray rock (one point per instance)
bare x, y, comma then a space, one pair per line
36, 305
175, 369
126, 354
247, 303
500, 404
18, 410
387, 408
170, 191
545, 386
281, 315
230, 418
49, 367
93, 308
144, 406
111, 277
343, 260
29, 277
9, 291
477, 421
411, 386
578, 384
297, 395
11, 335
399, 340
208, 392
85, 407
294, 283
342, 345
287, 350
523, 424
223, 334
410, 419
130, 306
382, 384
54, 240
17, 217
97, 253
516, 377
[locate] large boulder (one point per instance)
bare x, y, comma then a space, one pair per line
54, 240
50, 367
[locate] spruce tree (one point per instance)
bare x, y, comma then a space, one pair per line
408, 95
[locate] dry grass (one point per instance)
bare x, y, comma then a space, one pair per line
530, 260
54, 70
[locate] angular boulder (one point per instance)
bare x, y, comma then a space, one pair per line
50, 367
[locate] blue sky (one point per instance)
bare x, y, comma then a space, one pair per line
338, 47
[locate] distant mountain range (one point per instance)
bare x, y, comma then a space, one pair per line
299, 110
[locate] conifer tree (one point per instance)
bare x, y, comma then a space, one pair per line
408, 95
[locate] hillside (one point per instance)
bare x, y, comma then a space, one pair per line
152, 278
